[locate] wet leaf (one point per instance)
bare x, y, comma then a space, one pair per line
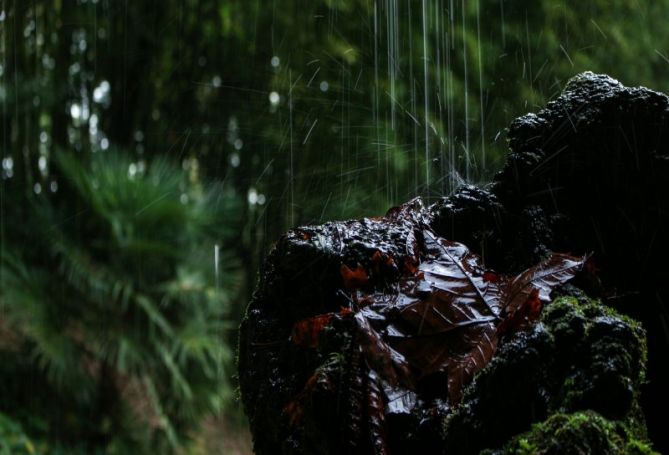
390, 364
444, 317
542, 278
460, 309
354, 278
306, 332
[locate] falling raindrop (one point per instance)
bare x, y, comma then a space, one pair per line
217, 250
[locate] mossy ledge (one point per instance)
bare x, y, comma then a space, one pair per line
578, 433
582, 365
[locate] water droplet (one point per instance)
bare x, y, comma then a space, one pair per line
104, 143
53, 186
37, 188
239, 144
324, 86
216, 81
234, 160
276, 61
183, 198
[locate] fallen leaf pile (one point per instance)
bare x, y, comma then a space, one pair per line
442, 320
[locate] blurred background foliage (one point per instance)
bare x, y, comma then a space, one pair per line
153, 150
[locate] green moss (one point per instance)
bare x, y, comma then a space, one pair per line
577, 433
601, 353
582, 356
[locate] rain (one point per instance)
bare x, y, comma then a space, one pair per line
152, 154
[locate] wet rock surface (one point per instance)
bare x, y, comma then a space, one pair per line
584, 175
580, 432
304, 276
587, 174
581, 356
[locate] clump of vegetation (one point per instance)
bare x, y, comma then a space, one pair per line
13, 441
582, 356
580, 432
113, 331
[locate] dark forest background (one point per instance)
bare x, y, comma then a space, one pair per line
153, 150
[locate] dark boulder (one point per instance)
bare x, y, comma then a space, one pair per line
302, 278
586, 174
582, 356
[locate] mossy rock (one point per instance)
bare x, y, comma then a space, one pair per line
578, 433
582, 356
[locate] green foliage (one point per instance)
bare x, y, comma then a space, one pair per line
13, 441
378, 100
113, 308
581, 432
583, 356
